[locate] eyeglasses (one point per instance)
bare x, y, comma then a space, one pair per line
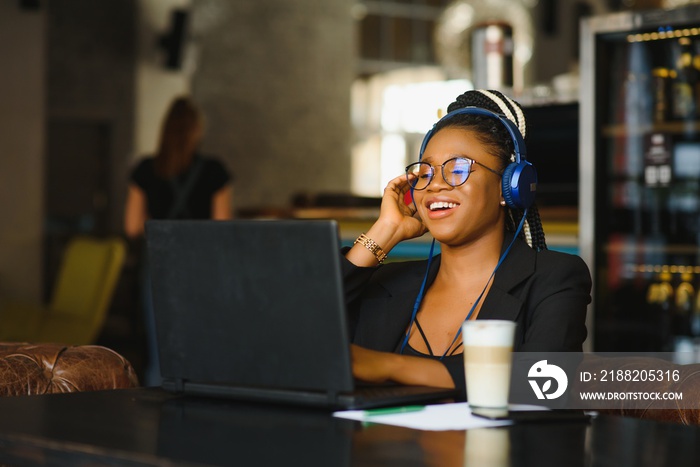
454, 171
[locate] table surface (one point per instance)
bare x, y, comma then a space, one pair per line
140, 427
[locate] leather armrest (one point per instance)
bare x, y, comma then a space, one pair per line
27, 369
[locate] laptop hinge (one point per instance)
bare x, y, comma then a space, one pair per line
179, 384
332, 397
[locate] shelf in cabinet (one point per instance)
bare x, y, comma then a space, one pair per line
682, 249
666, 127
662, 268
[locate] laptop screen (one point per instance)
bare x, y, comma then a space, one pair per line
256, 303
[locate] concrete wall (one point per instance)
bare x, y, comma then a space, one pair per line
273, 78
156, 85
557, 38
22, 52
91, 78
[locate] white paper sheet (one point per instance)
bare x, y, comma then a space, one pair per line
438, 417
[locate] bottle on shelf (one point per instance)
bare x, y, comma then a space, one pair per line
665, 297
696, 68
661, 77
683, 99
695, 319
663, 73
636, 98
685, 294
660, 301
685, 303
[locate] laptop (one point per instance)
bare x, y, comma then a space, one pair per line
255, 310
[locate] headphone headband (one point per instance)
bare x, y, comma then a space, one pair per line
515, 135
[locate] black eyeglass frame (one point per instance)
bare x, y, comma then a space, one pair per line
442, 171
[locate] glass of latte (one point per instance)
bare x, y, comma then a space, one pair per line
488, 350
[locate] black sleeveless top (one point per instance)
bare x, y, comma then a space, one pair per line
408, 350
160, 195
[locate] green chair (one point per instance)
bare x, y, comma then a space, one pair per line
80, 299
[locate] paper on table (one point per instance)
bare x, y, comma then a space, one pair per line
438, 417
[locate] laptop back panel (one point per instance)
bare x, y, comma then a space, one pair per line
249, 305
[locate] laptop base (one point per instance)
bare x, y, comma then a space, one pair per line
365, 397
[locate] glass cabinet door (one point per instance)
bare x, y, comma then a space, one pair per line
646, 188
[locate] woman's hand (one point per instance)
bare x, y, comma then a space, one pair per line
394, 210
397, 221
135, 212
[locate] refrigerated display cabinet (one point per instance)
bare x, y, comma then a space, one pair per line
639, 169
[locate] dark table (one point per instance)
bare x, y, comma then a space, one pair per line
139, 427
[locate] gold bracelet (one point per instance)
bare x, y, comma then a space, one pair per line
372, 246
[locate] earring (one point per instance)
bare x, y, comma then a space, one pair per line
503, 202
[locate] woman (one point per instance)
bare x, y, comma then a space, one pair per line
483, 272
178, 183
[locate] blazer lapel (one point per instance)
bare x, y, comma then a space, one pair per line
387, 315
519, 265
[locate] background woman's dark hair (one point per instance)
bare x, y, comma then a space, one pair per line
493, 134
181, 133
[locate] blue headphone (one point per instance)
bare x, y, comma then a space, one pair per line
519, 179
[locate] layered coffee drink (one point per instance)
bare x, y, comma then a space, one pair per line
488, 350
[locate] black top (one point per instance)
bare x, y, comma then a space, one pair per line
546, 293
211, 176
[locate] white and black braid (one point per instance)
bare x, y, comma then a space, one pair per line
509, 108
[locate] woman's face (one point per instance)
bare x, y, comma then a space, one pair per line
459, 215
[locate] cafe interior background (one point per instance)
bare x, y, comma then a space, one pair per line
312, 104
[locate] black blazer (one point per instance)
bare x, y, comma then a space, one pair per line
546, 293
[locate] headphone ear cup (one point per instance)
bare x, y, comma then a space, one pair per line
505, 185
519, 184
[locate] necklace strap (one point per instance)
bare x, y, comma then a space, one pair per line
421, 292
419, 298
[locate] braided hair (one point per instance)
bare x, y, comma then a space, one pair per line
496, 138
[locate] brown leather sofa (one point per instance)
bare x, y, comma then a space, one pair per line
685, 412
28, 369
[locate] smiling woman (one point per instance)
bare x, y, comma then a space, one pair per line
473, 190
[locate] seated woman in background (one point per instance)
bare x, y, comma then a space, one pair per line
177, 183
406, 317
